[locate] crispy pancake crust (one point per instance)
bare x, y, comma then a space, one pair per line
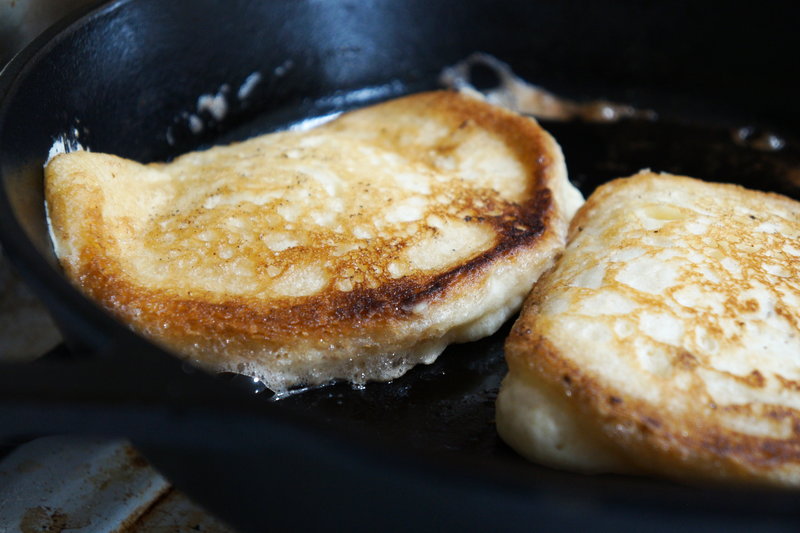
666, 340
353, 250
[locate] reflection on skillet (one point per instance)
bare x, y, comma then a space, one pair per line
511, 91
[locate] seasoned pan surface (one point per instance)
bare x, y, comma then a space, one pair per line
127, 79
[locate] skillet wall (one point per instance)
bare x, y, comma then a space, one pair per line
122, 77
128, 70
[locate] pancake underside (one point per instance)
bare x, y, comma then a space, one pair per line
666, 339
353, 250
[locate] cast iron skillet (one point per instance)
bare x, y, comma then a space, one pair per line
421, 451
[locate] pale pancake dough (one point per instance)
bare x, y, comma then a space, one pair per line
666, 339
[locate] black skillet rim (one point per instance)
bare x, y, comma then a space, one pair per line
45, 279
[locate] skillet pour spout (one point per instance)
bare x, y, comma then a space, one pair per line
129, 77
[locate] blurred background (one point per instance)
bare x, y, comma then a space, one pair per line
26, 330
74, 483
22, 20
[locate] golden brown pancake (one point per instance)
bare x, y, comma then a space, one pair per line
666, 340
350, 251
